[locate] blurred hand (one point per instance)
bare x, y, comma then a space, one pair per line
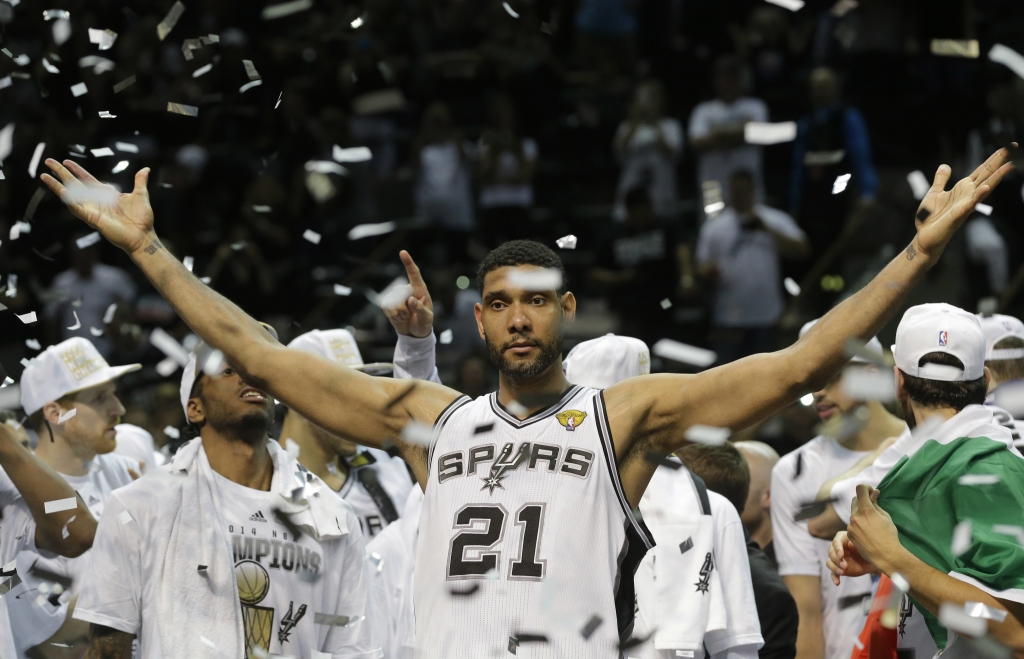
414, 315
126, 220
941, 213
845, 561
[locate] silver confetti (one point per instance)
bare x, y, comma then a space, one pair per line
329, 620
682, 352
918, 184
962, 534
27, 318
756, 132
791, 286
666, 303
285, 9
51, 14
36, 156
840, 183
311, 236
108, 315
544, 279
206, 68
250, 70
70, 414
127, 147
1008, 57
88, 240
124, 84
566, 242
980, 610
866, 385
366, 230
508, 9
955, 618
978, 479
95, 331
352, 154
170, 20
446, 337
249, 85
342, 290
167, 344
79, 90
172, 432
710, 435
34, 344
180, 108
792, 5
59, 505
956, 48
103, 38
78, 323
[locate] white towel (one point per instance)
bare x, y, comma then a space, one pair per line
195, 537
669, 601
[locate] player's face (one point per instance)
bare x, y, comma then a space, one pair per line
833, 400
91, 430
232, 406
523, 329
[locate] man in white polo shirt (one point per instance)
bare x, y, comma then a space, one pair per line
374, 483
681, 512
1004, 359
70, 395
232, 549
830, 617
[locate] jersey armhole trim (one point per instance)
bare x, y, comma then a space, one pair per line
439, 423
608, 448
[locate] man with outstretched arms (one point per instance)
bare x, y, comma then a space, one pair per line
532, 485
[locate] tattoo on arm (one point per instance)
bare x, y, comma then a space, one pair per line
153, 247
108, 643
911, 252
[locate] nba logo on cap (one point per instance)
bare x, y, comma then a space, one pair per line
943, 337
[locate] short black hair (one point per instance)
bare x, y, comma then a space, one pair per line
1005, 370
520, 252
722, 468
939, 393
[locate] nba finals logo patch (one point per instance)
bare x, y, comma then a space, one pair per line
943, 337
571, 419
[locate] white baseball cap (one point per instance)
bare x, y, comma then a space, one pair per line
874, 346
337, 345
63, 369
604, 361
996, 328
940, 328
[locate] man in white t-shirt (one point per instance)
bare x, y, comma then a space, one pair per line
739, 250
830, 617
70, 395
137, 443
716, 131
232, 549
374, 483
1004, 359
680, 620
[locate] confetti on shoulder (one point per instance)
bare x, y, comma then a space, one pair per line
124, 517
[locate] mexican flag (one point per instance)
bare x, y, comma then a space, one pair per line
965, 470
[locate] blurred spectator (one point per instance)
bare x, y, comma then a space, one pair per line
716, 130
82, 295
475, 377
606, 37
443, 192
648, 143
831, 162
756, 513
989, 237
239, 270
724, 470
506, 167
639, 266
772, 42
739, 250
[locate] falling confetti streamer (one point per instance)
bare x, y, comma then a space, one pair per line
52, 14
446, 337
250, 70
352, 154
168, 345
180, 108
956, 48
361, 231
285, 9
124, 84
127, 147
79, 90
792, 5
710, 435
34, 344
50, 68
102, 152
249, 85
755, 132
172, 432
1008, 57
978, 479
566, 242
839, 185
962, 535
866, 385
36, 156
95, 331
108, 315
120, 167
508, 9
103, 38
78, 323
206, 68
918, 184
27, 318
984, 209
546, 279
418, 433
956, 619
791, 286
311, 236
104, 114
58, 506
170, 20
342, 290
682, 352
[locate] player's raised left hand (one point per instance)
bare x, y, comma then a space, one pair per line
942, 212
412, 315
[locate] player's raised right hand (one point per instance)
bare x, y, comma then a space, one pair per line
412, 314
126, 220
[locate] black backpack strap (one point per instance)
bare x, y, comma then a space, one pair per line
702, 493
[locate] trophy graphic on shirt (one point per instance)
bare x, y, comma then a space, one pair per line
258, 621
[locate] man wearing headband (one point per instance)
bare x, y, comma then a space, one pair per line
70, 395
830, 617
1004, 359
232, 545
947, 516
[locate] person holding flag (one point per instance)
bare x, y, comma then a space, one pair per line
947, 516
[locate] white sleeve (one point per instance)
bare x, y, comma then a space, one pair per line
673, 133
346, 593
414, 358
111, 588
17, 530
744, 626
706, 243
795, 548
737, 652
8, 492
759, 110
782, 222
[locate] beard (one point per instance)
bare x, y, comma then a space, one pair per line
251, 427
519, 370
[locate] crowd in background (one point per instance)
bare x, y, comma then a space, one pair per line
621, 123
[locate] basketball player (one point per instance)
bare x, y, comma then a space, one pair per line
527, 534
830, 617
374, 483
233, 549
70, 377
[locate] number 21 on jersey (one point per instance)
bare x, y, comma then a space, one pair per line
475, 549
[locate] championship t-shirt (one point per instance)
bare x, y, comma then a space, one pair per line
379, 495
796, 480
17, 528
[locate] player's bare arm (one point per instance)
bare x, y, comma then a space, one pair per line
371, 411
653, 413
38, 483
108, 643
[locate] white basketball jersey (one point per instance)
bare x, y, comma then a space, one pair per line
527, 544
